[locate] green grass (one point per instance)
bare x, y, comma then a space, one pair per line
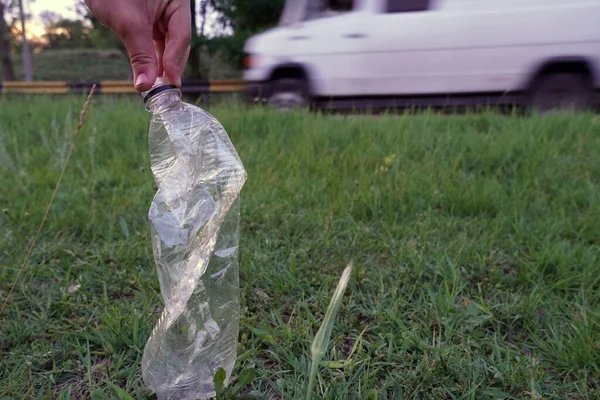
76, 65
474, 239
96, 64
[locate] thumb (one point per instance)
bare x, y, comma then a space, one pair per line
140, 46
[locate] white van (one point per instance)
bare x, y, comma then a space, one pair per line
349, 53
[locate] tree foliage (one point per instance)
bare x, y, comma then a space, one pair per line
100, 35
11, 16
10, 30
12, 22
247, 17
6, 65
244, 18
236, 20
62, 33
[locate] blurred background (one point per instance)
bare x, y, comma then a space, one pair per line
336, 53
64, 41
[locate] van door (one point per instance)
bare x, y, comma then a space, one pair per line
410, 44
320, 43
499, 44
491, 43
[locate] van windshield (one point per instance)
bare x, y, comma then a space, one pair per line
305, 10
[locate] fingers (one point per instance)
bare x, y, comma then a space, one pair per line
159, 50
137, 38
157, 39
177, 44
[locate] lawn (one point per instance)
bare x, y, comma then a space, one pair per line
76, 65
474, 238
97, 64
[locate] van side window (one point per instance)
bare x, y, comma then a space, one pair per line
341, 5
327, 8
398, 6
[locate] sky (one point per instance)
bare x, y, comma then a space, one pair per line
62, 7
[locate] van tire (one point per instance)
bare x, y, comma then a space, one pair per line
561, 91
288, 93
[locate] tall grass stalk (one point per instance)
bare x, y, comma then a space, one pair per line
321, 340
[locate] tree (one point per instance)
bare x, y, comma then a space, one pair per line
14, 10
203, 10
63, 33
49, 19
194, 50
101, 36
245, 18
27, 68
8, 73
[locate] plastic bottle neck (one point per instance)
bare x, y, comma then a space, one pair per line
161, 95
162, 100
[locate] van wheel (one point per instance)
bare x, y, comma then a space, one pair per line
288, 93
565, 91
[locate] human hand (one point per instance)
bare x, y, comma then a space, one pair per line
156, 33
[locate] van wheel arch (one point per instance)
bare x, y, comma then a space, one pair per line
289, 87
569, 78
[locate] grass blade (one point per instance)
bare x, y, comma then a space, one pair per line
321, 340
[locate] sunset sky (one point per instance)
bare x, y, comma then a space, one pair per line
63, 7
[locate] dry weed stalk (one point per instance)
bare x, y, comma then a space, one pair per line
82, 116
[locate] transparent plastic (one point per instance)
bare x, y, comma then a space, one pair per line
195, 235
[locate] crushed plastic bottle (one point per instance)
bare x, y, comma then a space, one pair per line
195, 235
